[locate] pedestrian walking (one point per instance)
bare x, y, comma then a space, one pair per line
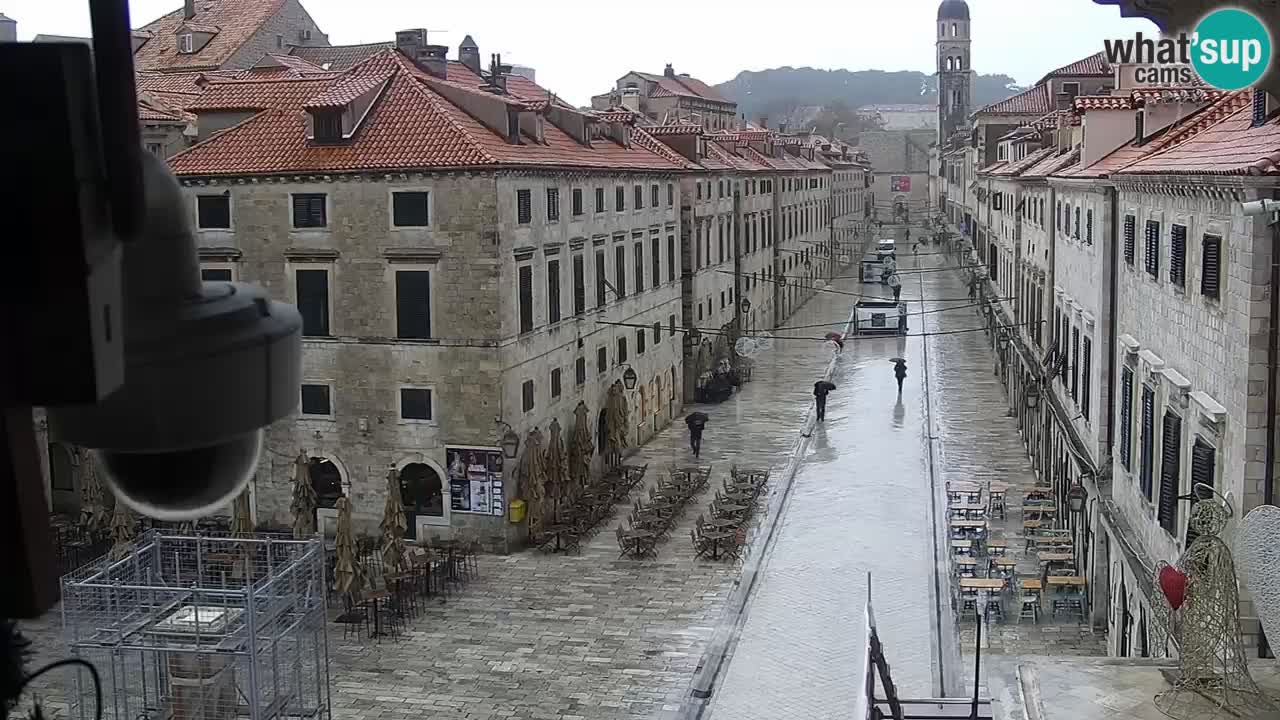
900, 371
895, 285
820, 390
696, 422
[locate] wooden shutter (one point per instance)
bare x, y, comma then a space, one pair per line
526, 298
309, 210
1086, 379
1178, 255
524, 207
1147, 440
1088, 227
655, 247
579, 286
413, 304
1075, 363
553, 291
671, 258
1203, 461
1170, 471
1126, 418
1151, 255
601, 277
553, 204
1130, 229
620, 270
1211, 266
639, 253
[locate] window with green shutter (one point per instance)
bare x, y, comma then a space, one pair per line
1211, 266
525, 301
1146, 441
1126, 418
1170, 471
1151, 250
1086, 383
1203, 472
553, 291
1130, 230
1178, 255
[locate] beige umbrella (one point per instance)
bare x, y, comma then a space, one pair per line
555, 469
94, 515
122, 528
346, 574
617, 416
393, 527
533, 475
303, 507
580, 446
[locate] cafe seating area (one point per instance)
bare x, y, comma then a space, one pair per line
1013, 557
655, 513
722, 531
579, 515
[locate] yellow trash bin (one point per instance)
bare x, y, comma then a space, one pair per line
517, 511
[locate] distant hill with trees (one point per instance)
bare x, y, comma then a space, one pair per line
778, 92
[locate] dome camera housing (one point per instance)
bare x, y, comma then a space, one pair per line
207, 367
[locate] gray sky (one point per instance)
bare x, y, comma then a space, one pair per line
580, 49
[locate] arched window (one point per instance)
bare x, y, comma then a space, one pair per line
422, 493
326, 481
954, 29
949, 61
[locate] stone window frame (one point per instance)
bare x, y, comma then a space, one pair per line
330, 266
390, 301
311, 189
333, 401
411, 229
231, 265
435, 405
231, 212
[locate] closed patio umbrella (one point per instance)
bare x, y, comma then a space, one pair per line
122, 531
533, 477
241, 520
393, 527
580, 446
346, 573
555, 468
617, 416
303, 507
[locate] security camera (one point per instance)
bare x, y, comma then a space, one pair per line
208, 365
1261, 207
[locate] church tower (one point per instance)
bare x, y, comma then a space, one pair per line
955, 74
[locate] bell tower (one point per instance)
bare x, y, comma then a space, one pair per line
955, 74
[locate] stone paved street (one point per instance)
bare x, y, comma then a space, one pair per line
586, 636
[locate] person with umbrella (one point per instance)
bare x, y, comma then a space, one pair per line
696, 422
900, 371
820, 390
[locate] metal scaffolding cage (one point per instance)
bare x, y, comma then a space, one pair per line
201, 627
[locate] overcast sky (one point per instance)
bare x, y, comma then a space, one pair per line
580, 48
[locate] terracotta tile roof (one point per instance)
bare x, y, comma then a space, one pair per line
1201, 119
1052, 164
154, 110
234, 20
1103, 102
1033, 101
347, 89
339, 57
1049, 121
1093, 66
992, 168
681, 129
1118, 158
733, 159
615, 115
1231, 146
268, 94
194, 26
410, 126
1017, 167
1155, 96
289, 65
641, 137
682, 86
183, 82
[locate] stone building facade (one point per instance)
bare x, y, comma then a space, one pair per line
671, 98
495, 277
223, 35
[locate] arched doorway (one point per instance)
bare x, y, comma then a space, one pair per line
422, 493
329, 483
64, 483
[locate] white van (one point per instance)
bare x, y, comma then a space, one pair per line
886, 248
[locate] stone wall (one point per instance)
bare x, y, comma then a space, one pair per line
281, 30
1218, 347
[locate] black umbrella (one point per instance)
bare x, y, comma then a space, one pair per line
696, 420
824, 386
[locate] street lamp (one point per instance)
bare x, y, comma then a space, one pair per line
1076, 497
1033, 396
695, 337
745, 305
510, 442
629, 378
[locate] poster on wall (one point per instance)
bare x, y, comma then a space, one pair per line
900, 183
475, 480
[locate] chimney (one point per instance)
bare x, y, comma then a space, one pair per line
410, 42
8, 29
497, 75
669, 72
763, 122
189, 9
469, 54
435, 60
782, 128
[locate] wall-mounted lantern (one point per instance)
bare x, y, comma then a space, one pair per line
510, 442
630, 378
